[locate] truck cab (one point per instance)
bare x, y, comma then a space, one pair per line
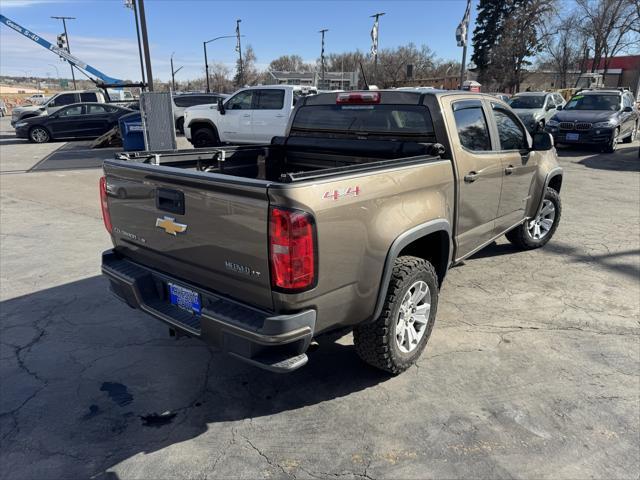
252, 115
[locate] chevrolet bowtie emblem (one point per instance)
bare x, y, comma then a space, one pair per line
170, 226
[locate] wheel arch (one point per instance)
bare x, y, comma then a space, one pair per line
430, 241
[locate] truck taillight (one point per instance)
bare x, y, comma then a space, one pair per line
358, 98
292, 249
105, 206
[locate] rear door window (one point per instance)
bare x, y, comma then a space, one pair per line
71, 111
88, 97
510, 132
472, 127
270, 99
64, 99
96, 109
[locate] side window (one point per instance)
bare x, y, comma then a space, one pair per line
88, 97
96, 109
471, 124
64, 99
270, 99
205, 99
71, 111
509, 131
626, 101
241, 101
559, 99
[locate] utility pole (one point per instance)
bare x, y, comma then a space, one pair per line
322, 32
145, 45
462, 36
132, 5
173, 74
239, 49
374, 43
206, 62
66, 37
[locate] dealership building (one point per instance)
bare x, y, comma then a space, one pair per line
332, 80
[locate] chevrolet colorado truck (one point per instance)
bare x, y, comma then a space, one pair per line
350, 221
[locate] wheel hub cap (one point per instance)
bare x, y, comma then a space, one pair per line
540, 226
413, 316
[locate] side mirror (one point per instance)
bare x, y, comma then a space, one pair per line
559, 107
221, 106
542, 141
627, 109
549, 107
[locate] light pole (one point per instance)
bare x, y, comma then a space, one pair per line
145, 45
374, 40
132, 5
206, 63
239, 48
66, 37
173, 74
322, 32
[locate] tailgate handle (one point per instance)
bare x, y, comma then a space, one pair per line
170, 201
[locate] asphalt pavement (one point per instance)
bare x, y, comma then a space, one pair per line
532, 371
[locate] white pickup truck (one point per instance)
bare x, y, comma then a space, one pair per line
252, 115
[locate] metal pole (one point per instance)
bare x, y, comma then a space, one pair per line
375, 57
240, 52
322, 32
462, 67
66, 37
206, 66
145, 45
135, 13
173, 75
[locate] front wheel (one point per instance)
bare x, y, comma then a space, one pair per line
205, 137
39, 135
395, 340
536, 232
612, 144
632, 135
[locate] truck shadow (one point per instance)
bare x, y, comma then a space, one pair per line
112, 377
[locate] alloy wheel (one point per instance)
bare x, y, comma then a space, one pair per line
39, 135
413, 317
540, 226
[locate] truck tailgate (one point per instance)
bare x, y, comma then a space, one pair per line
206, 231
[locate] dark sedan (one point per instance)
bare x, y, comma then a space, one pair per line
80, 120
596, 117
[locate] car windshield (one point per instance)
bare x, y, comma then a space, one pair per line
594, 102
527, 101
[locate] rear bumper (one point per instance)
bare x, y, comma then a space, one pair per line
270, 341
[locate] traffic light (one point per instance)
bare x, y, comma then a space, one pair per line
62, 41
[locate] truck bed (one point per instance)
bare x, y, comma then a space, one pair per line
300, 158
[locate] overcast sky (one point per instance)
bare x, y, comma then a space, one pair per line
104, 36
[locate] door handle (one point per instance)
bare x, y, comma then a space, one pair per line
509, 170
246, 115
279, 116
471, 177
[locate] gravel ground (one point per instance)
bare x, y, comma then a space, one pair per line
532, 370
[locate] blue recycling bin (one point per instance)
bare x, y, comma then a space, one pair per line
132, 132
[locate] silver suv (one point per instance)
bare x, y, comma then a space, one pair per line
535, 109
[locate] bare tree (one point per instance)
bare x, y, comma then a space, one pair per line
290, 63
610, 26
563, 46
250, 74
219, 76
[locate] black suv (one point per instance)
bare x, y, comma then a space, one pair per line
596, 117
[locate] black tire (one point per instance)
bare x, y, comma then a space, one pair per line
632, 136
612, 144
205, 137
375, 342
180, 125
522, 238
39, 134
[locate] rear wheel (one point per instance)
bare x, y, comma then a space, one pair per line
205, 137
536, 232
632, 135
396, 339
39, 135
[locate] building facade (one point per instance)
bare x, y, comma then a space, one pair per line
332, 80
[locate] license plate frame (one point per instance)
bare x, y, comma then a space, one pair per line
573, 137
184, 298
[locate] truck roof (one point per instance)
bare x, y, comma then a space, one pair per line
392, 96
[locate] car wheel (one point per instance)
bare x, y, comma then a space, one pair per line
632, 135
395, 340
536, 232
39, 135
180, 125
205, 137
612, 144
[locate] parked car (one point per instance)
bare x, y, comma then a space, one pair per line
502, 96
55, 103
81, 120
535, 108
596, 117
251, 115
37, 99
351, 220
184, 101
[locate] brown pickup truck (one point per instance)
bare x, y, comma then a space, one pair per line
350, 221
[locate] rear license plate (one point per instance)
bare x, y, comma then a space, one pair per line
573, 137
184, 298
